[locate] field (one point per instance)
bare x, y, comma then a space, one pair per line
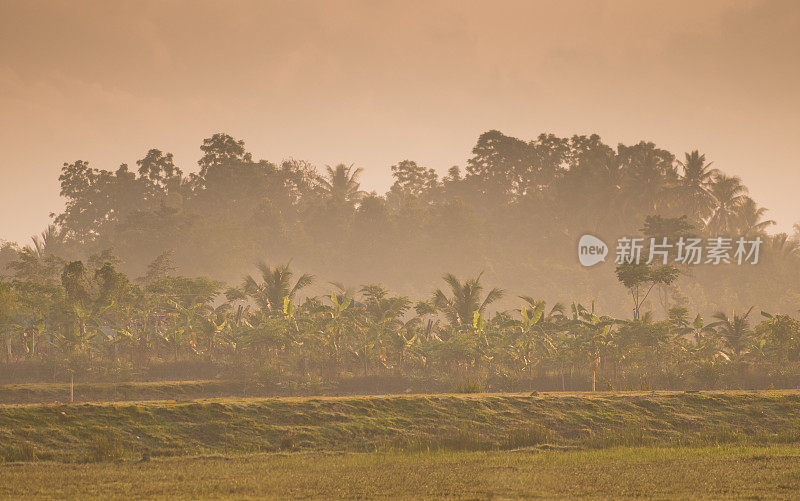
718, 444
713, 472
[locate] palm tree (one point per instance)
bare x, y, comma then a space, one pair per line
275, 287
729, 195
48, 241
465, 300
781, 248
39, 262
695, 185
734, 331
341, 184
749, 218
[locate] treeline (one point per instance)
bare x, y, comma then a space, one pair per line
92, 320
516, 211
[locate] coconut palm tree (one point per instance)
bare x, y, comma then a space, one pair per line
695, 185
341, 184
275, 287
781, 248
729, 195
750, 219
734, 331
465, 300
49, 241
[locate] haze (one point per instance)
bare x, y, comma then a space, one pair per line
374, 83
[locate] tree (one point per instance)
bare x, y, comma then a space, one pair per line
275, 287
502, 164
695, 186
160, 170
750, 219
96, 200
729, 195
341, 185
735, 331
464, 301
160, 268
412, 180
221, 149
640, 279
648, 173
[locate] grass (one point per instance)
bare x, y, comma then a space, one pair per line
90, 432
673, 472
469, 387
663, 445
99, 392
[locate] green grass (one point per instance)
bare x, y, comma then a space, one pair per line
480, 422
688, 473
99, 392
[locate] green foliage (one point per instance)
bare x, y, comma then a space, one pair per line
100, 289
99, 322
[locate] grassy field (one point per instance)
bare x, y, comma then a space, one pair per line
121, 392
663, 444
708, 472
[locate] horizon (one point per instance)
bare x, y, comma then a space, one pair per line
301, 84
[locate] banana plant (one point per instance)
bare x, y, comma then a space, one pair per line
595, 335
336, 323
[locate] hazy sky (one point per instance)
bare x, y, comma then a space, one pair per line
375, 82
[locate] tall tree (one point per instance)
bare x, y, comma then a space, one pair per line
341, 185
695, 186
729, 195
750, 219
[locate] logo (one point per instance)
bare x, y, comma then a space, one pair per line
591, 250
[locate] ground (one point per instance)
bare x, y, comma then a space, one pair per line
659, 472
659, 445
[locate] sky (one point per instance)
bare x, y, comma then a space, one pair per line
372, 83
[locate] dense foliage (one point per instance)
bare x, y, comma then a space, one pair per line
95, 320
68, 300
516, 211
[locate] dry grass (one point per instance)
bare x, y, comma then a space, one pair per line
475, 422
710, 472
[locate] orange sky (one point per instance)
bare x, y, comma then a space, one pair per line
372, 83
